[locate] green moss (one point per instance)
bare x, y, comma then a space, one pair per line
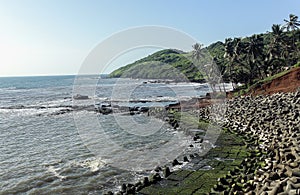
226, 157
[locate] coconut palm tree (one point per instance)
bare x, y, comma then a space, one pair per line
276, 42
274, 52
232, 54
197, 52
254, 49
292, 24
201, 59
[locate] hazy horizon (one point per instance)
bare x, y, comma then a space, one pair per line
54, 38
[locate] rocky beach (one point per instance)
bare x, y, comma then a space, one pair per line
270, 126
257, 152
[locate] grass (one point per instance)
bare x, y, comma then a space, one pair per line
244, 89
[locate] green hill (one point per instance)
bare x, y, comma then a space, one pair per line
239, 60
164, 64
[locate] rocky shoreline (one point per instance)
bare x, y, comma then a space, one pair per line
269, 127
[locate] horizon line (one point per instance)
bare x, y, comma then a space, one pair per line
51, 75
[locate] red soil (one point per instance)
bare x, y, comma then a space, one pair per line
289, 82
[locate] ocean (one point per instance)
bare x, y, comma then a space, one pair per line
48, 147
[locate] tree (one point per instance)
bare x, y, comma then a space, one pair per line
197, 53
276, 42
292, 24
205, 63
254, 50
232, 54
275, 50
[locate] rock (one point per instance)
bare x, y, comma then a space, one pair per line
175, 162
157, 169
185, 159
166, 172
196, 137
130, 190
154, 178
274, 176
80, 97
143, 109
146, 182
123, 187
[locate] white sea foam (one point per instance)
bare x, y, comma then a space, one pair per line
94, 164
53, 170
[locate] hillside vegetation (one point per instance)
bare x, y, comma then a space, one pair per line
164, 64
238, 60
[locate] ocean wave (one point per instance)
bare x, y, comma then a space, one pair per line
54, 171
8, 88
94, 164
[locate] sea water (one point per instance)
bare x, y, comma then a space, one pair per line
42, 150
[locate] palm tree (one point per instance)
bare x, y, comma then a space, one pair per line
276, 42
197, 52
232, 53
254, 48
274, 53
206, 64
292, 24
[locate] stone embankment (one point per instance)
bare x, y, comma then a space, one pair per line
271, 127
269, 164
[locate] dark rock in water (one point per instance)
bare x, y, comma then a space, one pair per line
191, 146
146, 182
105, 110
175, 162
157, 169
130, 190
129, 185
109, 193
166, 172
143, 109
135, 108
123, 187
185, 159
196, 137
138, 184
80, 97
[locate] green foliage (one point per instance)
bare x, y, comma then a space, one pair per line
164, 64
239, 60
297, 65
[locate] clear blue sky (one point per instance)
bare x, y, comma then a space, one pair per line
49, 37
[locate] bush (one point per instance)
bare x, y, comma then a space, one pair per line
297, 65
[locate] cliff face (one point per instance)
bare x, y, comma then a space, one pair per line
289, 82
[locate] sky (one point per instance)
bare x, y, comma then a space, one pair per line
54, 37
